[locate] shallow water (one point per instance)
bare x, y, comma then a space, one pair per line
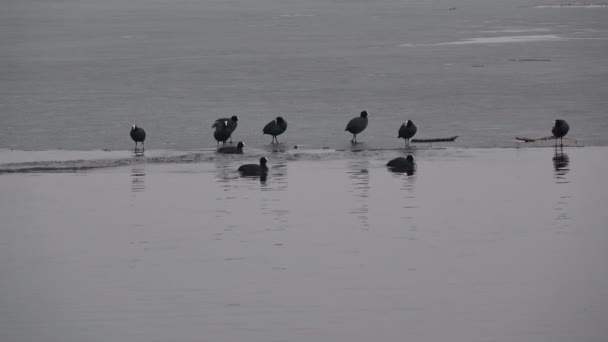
77, 74
99, 244
476, 245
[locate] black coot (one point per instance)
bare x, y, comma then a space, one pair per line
222, 132
275, 127
254, 169
231, 123
357, 125
138, 135
560, 129
232, 149
407, 131
401, 164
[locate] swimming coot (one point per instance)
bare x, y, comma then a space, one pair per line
401, 164
232, 149
254, 169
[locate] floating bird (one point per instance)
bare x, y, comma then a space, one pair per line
407, 131
232, 149
231, 123
401, 164
357, 125
400, 161
254, 169
222, 132
275, 127
138, 135
560, 129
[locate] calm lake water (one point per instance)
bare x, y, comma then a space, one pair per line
476, 245
483, 242
77, 74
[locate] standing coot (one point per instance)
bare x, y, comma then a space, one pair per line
407, 131
275, 127
254, 169
222, 132
560, 129
138, 135
231, 123
357, 125
232, 149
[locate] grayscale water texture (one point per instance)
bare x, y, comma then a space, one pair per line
483, 242
505, 245
77, 74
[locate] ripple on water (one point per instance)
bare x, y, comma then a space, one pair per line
81, 161
138, 179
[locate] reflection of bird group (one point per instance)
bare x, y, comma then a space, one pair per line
224, 127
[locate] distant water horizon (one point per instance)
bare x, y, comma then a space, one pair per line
76, 75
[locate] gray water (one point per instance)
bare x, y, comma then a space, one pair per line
477, 245
77, 74
493, 244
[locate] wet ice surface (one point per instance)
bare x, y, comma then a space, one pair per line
77, 74
476, 245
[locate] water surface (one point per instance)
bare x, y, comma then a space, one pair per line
476, 245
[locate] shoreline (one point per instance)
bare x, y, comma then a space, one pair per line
16, 161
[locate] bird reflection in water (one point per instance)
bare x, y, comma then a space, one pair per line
226, 197
138, 179
561, 166
406, 166
279, 177
358, 172
410, 171
224, 173
263, 178
271, 203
